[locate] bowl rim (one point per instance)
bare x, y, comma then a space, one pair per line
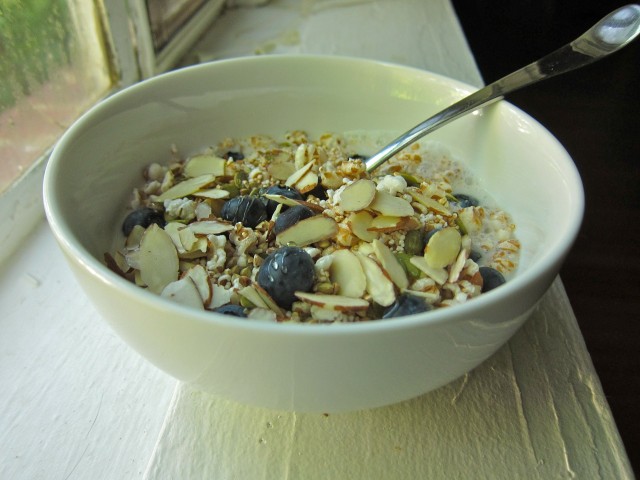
78, 253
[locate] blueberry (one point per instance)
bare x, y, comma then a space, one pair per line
246, 209
283, 190
463, 200
491, 278
290, 217
231, 309
431, 233
318, 191
475, 255
285, 271
406, 304
234, 155
143, 216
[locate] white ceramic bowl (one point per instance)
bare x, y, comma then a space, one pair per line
322, 368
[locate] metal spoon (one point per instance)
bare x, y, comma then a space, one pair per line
607, 36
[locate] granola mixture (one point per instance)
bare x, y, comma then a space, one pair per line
296, 231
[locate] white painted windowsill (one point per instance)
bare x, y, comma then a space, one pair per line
76, 402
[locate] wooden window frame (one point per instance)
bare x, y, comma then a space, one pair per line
127, 35
144, 58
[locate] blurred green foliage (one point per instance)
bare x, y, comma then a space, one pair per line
36, 38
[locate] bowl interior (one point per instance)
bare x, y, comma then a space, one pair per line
100, 159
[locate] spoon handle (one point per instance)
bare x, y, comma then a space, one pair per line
607, 36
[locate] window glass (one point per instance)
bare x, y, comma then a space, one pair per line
167, 16
53, 66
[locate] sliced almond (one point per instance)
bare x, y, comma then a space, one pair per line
167, 181
387, 204
115, 265
187, 238
215, 193
429, 202
390, 264
121, 261
330, 179
378, 285
443, 247
347, 273
197, 250
308, 231
357, 195
185, 188
439, 275
184, 292
307, 183
249, 292
210, 227
137, 278
472, 218
204, 164
260, 298
429, 296
340, 303
366, 249
173, 230
268, 301
132, 259
307, 153
359, 223
158, 259
290, 202
281, 170
298, 174
262, 314
458, 265
325, 314
202, 282
219, 296
386, 223
313, 206
303, 154
185, 265
133, 240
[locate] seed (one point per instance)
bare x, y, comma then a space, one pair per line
325, 287
405, 260
412, 180
240, 177
460, 225
232, 188
246, 303
414, 242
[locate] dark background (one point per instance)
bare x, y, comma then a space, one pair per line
594, 113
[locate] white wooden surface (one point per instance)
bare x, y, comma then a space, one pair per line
534, 410
75, 402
